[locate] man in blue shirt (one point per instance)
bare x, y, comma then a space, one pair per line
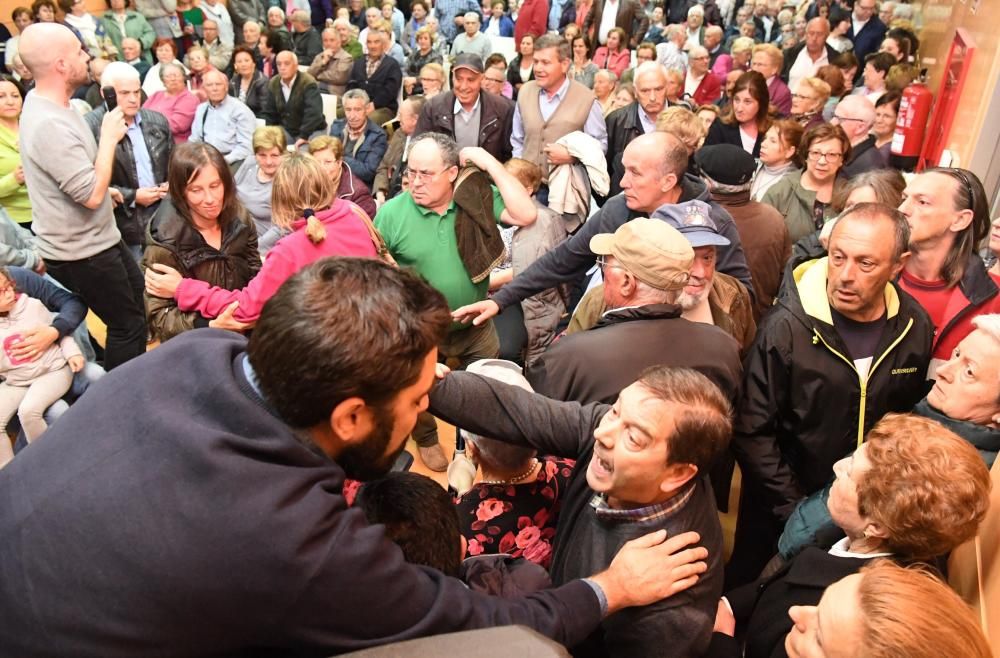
223, 121
138, 179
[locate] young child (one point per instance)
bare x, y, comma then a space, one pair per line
32, 381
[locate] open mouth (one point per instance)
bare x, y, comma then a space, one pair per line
601, 467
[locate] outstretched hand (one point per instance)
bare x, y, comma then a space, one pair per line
478, 313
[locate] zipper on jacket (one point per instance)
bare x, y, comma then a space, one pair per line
862, 404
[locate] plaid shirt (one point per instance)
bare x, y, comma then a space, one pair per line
447, 10
371, 65
646, 514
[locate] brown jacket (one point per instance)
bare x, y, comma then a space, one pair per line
332, 74
389, 167
630, 18
765, 242
173, 241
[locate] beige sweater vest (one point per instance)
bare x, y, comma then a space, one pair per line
570, 115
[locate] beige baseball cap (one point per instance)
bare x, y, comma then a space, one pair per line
656, 253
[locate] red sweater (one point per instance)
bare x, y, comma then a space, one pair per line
346, 235
533, 18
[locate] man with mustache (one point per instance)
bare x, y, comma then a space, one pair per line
210, 518
842, 346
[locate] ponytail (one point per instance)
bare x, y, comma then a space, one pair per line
314, 228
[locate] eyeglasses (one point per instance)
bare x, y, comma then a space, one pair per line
602, 262
840, 118
816, 156
803, 97
496, 80
414, 176
4, 289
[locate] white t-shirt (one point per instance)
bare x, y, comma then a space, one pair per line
804, 67
749, 142
607, 21
691, 83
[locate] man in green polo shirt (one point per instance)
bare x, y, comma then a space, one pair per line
419, 229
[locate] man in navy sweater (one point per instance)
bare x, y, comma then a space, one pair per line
191, 503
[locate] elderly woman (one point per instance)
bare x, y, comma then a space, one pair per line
431, 80
13, 193
808, 100
912, 492
418, 16
198, 64
514, 508
199, 231
175, 101
886, 112
165, 51
605, 85
928, 619
119, 22
833, 77
614, 55
624, 97
254, 179
248, 84
418, 58
744, 122
803, 197
778, 156
329, 151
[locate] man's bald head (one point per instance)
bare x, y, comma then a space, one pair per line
855, 114
44, 45
665, 150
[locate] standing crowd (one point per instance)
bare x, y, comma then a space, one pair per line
666, 238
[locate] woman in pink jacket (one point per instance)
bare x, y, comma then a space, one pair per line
303, 200
615, 56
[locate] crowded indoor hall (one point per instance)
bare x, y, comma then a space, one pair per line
591, 328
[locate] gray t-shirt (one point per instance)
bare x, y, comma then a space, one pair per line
254, 195
57, 153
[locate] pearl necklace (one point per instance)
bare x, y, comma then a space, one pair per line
516, 478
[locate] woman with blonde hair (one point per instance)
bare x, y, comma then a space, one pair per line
303, 200
683, 124
886, 611
808, 100
254, 178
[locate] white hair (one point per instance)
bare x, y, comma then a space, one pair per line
696, 9
118, 72
301, 16
989, 325
471, 16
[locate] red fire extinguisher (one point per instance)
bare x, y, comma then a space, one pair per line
911, 124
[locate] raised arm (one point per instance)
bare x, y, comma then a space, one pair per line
510, 414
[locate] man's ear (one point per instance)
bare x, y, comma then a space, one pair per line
676, 476
351, 421
961, 221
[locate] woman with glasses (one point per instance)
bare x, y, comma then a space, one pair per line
808, 100
744, 122
431, 81
303, 200
803, 197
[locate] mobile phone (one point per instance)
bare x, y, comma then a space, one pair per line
110, 97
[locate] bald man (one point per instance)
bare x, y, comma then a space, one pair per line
856, 115
804, 59
67, 175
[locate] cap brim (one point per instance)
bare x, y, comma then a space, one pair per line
705, 239
602, 243
467, 67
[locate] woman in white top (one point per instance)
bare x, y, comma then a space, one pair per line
165, 51
522, 67
91, 32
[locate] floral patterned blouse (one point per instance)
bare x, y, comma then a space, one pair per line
516, 519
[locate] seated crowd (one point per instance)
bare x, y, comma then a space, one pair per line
663, 241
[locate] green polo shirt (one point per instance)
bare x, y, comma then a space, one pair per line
424, 240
